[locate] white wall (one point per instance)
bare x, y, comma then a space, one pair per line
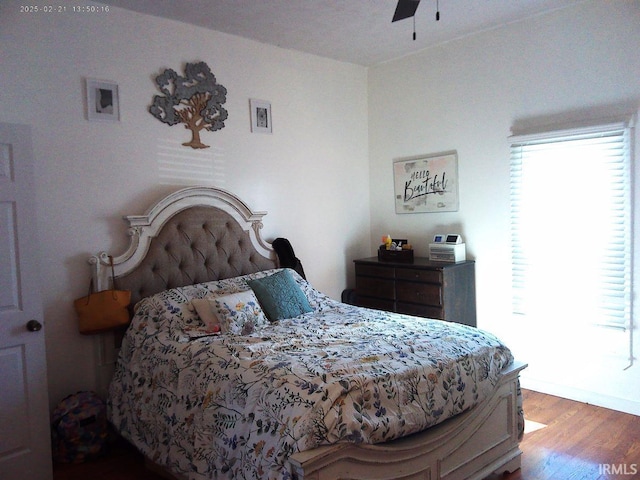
310, 175
467, 95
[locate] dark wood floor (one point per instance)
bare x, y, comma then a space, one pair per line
122, 462
573, 441
576, 441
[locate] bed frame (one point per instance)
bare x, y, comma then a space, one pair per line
201, 234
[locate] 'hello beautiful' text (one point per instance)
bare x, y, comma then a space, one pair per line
422, 183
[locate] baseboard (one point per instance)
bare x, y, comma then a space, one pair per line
579, 395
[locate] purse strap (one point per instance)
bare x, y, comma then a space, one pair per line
90, 290
113, 274
113, 282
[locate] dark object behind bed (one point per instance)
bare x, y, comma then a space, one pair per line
287, 256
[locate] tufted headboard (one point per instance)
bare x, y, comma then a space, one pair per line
193, 235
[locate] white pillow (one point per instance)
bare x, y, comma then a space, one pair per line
206, 314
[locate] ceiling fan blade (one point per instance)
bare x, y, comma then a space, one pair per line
405, 9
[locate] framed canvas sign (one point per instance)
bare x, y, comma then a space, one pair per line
427, 183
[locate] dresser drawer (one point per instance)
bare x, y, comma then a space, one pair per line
420, 310
377, 303
375, 287
375, 271
431, 276
423, 293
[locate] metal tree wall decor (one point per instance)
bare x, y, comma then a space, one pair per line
195, 100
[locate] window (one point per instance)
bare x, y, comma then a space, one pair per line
571, 226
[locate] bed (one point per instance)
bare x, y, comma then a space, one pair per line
284, 382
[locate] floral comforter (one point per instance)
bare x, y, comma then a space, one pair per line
237, 406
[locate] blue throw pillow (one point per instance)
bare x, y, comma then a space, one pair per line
280, 296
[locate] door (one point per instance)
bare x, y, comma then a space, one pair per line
25, 450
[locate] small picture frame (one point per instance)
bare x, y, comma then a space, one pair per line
260, 116
102, 100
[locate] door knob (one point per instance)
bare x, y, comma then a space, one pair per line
34, 325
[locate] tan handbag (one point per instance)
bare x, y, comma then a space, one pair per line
105, 310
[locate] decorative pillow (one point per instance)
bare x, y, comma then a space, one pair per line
280, 296
238, 313
206, 313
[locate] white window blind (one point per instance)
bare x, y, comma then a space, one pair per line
571, 225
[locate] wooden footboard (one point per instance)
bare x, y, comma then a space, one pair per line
470, 446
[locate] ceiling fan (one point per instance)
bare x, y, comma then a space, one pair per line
407, 8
